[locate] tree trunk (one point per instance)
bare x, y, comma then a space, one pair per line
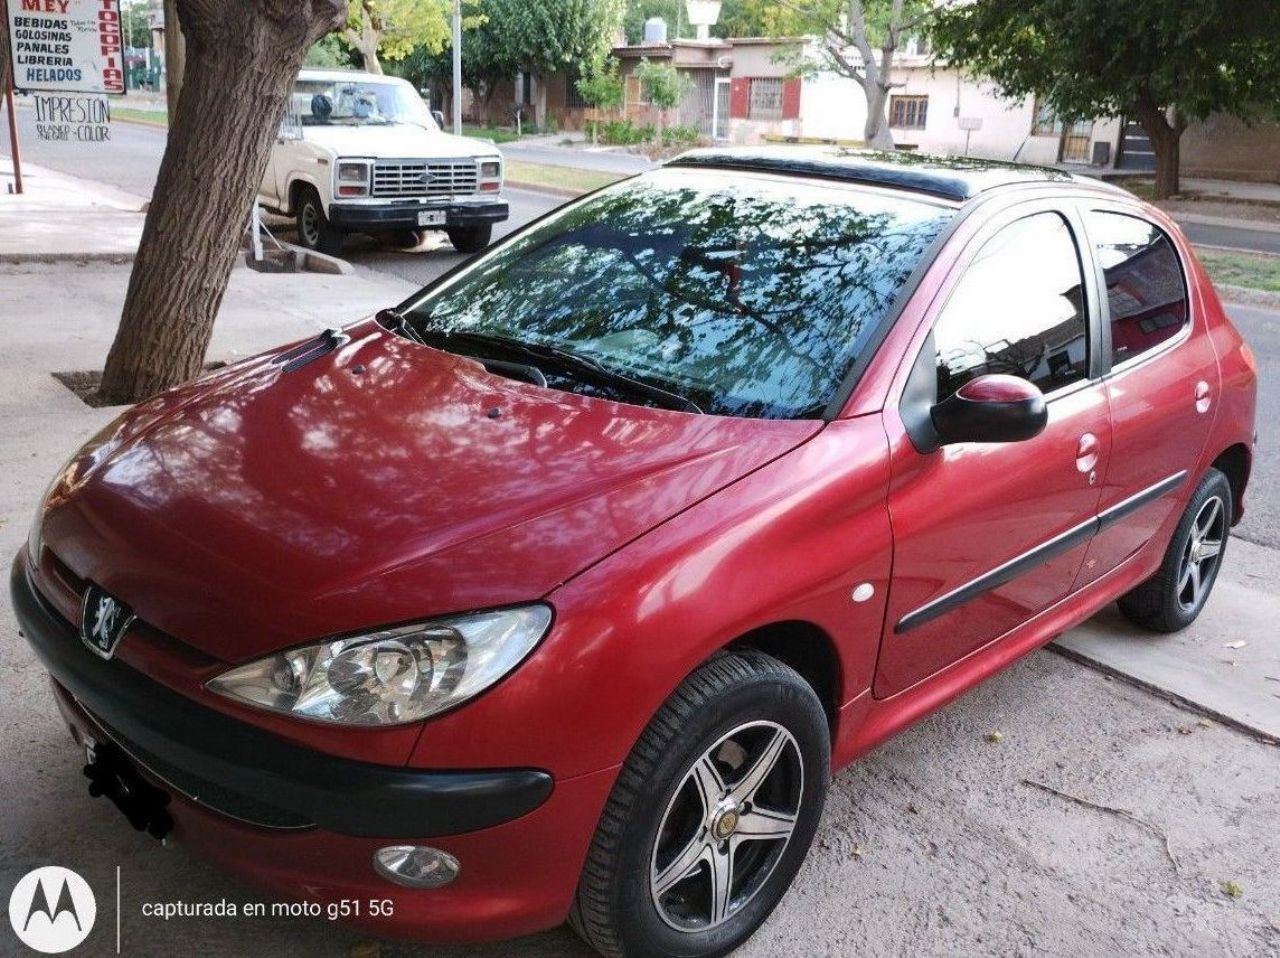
540, 103
876, 132
243, 63
1166, 142
175, 58
366, 41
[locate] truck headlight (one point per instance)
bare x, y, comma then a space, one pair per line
490, 169
392, 676
353, 177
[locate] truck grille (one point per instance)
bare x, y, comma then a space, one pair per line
424, 177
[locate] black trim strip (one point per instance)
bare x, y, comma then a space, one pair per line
237, 760
1121, 510
1063, 542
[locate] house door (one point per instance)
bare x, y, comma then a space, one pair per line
698, 107
720, 114
1076, 140
1135, 148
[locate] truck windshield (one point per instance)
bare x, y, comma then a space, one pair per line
359, 102
747, 295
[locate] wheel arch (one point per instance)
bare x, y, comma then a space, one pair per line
1235, 462
806, 648
297, 183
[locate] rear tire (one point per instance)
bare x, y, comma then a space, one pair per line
1175, 596
470, 239
724, 789
314, 229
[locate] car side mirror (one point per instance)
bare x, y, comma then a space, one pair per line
439, 118
991, 408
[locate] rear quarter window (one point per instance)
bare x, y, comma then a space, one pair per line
1146, 285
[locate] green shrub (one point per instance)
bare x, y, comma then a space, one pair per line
680, 135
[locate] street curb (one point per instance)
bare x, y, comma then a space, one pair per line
1227, 222
1182, 701
1246, 296
549, 190
118, 259
149, 124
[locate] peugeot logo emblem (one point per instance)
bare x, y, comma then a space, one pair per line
104, 620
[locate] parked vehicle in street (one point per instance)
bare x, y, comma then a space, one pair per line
361, 152
560, 590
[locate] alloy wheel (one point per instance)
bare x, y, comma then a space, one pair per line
726, 826
1201, 553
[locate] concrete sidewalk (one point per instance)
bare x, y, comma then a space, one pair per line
61, 217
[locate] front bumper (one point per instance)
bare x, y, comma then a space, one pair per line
356, 216
251, 774
305, 825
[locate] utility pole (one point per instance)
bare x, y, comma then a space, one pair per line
457, 67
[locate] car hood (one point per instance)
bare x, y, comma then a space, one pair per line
401, 141
381, 483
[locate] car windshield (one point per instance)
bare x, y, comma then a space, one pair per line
747, 295
359, 102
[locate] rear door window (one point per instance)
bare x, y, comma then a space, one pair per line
1146, 288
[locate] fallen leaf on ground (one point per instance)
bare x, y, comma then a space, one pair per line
1232, 889
996, 736
1184, 729
1238, 644
1205, 723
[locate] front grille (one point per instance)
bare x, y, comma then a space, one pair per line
424, 177
204, 791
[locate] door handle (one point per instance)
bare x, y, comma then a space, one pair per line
1204, 397
1087, 453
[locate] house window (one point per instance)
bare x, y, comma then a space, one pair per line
908, 112
766, 98
1044, 121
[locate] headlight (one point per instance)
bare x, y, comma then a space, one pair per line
353, 172
392, 676
490, 169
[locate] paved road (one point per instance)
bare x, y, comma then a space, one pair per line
1262, 516
1265, 241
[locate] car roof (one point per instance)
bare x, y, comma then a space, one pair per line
338, 74
955, 178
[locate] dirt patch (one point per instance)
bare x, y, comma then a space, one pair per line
86, 382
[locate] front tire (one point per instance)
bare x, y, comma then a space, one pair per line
314, 229
1174, 597
711, 816
470, 239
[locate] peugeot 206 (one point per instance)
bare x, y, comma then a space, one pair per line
560, 590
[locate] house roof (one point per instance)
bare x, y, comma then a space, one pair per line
949, 177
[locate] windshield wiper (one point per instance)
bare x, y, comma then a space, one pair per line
568, 361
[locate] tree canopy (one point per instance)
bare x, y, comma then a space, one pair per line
392, 29
1161, 62
543, 36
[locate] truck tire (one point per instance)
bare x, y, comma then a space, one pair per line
470, 239
314, 229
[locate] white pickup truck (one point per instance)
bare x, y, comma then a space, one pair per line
358, 152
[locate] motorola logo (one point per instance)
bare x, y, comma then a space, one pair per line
52, 909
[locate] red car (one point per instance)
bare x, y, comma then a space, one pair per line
560, 590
